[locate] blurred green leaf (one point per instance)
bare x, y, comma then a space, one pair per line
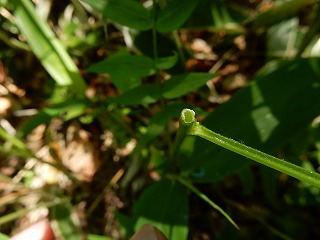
97, 237
264, 115
71, 108
309, 36
174, 14
179, 85
277, 13
224, 16
164, 204
282, 38
3, 236
175, 87
164, 63
125, 12
144, 94
155, 127
125, 71
47, 47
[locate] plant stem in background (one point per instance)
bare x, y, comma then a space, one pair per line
189, 126
178, 43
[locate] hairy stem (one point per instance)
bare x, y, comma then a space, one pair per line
281, 165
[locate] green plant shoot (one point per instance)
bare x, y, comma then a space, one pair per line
190, 126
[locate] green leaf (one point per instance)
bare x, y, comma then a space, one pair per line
125, 71
125, 12
164, 204
71, 108
180, 85
3, 237
164, 63
175, 87
264, 115
174, 14
144, 94
98, 237
279, 36
47, 47
155, 127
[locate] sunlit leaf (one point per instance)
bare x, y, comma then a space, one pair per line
47, 47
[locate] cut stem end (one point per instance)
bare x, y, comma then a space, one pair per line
188, 116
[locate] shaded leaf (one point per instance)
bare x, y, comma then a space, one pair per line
164, 63
125, 12
144, 94
174, 14
125, 71
164, 204
180, 85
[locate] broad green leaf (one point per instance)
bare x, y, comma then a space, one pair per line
264, 115
164, 63
180, 85
144, 94
47, 47
175, 87
125, 12
174, 14
164, 204
125, 71
217, 15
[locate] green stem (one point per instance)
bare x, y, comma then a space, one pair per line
281, 165
155, 58
186, 122
179, 48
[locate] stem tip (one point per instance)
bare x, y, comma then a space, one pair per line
188, 116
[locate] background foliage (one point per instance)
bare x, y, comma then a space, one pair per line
91, 92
